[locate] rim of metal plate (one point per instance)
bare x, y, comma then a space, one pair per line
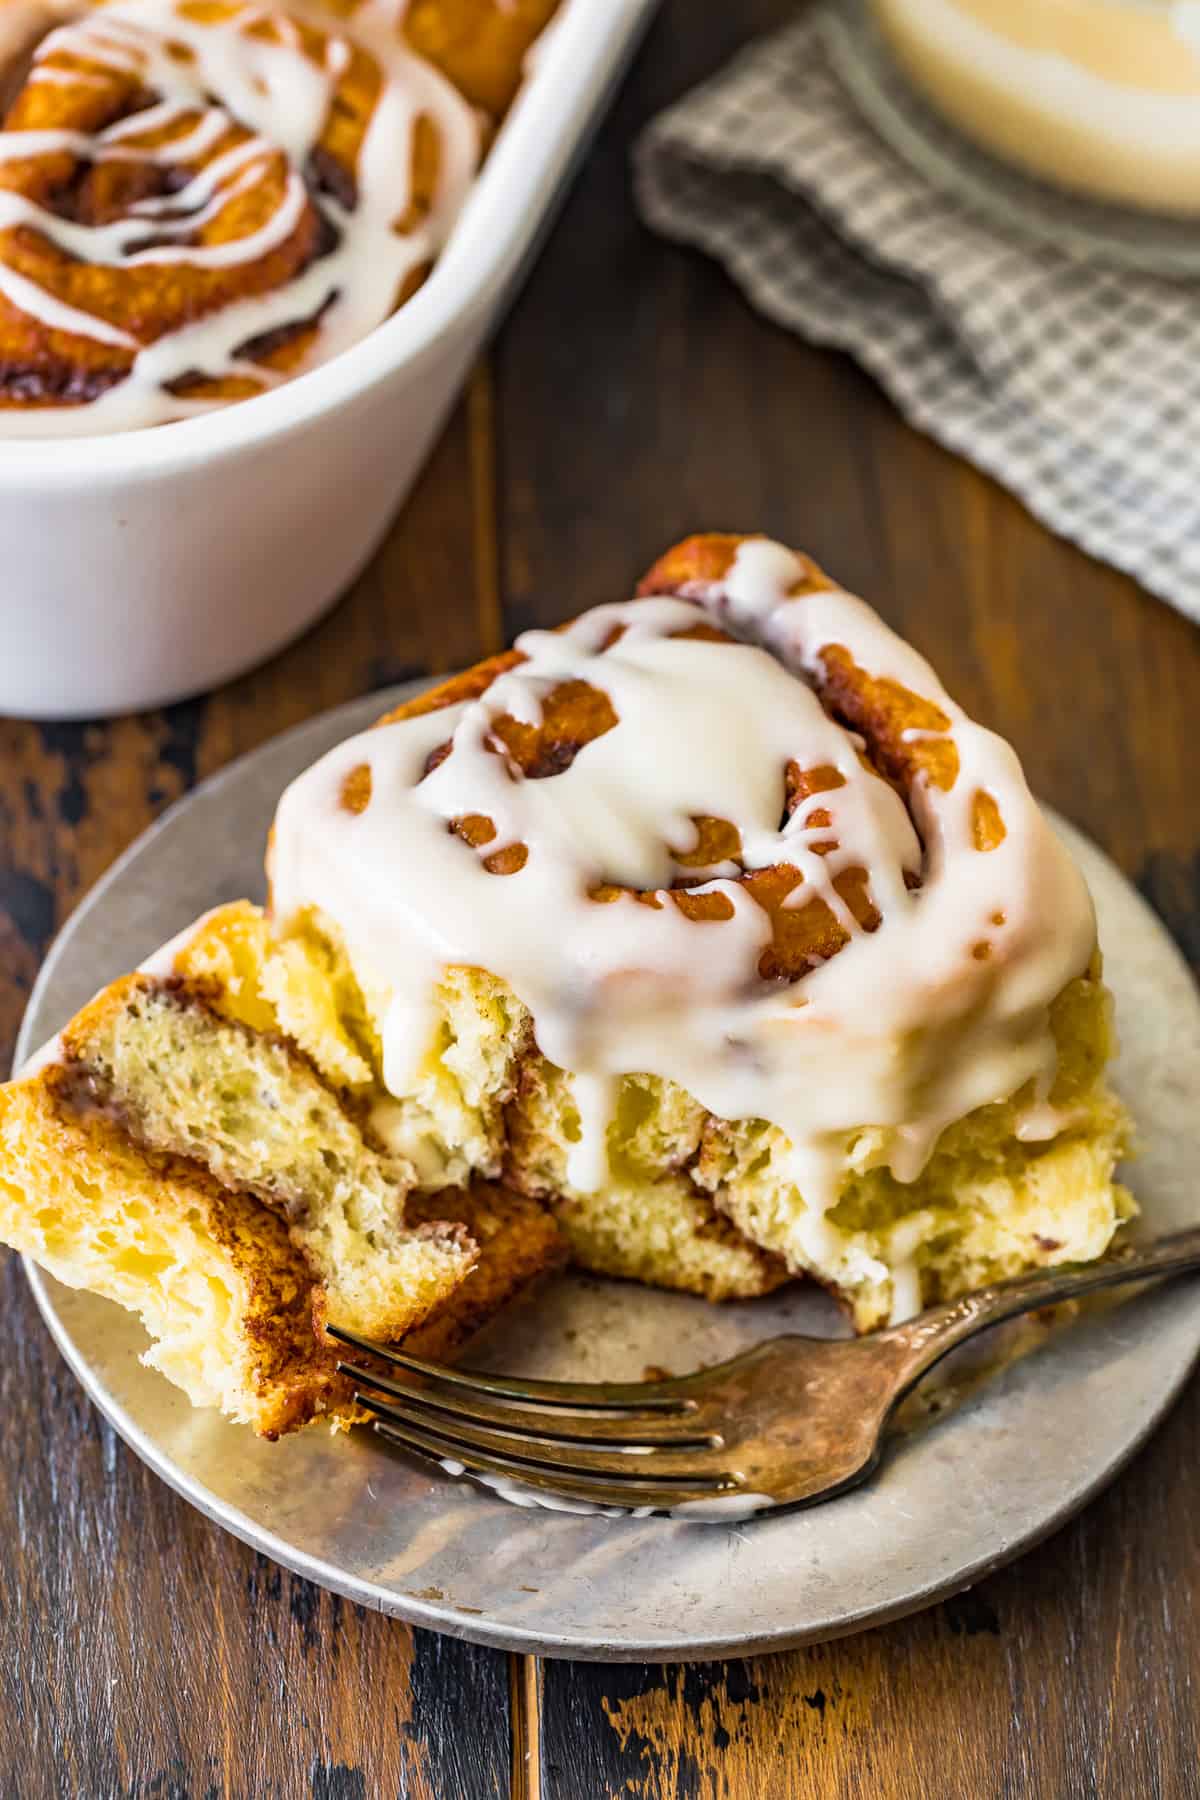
1025, 208
446, 1556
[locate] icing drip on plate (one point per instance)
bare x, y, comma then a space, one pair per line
242, 100
932, 1000
722, 1509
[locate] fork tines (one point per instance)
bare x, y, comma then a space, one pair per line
631, 1444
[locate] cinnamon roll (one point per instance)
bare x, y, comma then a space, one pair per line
713, 920
708, 923
201, 198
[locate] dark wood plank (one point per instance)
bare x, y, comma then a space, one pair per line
1070, 1675
143, 1652
668, 407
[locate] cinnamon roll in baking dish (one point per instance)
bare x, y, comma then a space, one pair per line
708, 922
200, 198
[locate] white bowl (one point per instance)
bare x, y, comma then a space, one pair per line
140, 567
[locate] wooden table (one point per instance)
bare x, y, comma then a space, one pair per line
631, 397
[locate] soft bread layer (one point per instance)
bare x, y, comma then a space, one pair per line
666, 1233
986, 1206
235, 1311
706, 1205
463, 1115
186, 1082
450, 1124
648, 1220
213, 1276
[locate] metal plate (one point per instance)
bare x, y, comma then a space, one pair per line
1032, 211
960, 1493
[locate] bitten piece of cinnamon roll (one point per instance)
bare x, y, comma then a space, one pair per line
196, 1146
200, 198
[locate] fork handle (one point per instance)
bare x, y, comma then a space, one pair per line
931, 1334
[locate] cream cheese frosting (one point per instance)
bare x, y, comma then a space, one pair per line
1099, 95
943, 1008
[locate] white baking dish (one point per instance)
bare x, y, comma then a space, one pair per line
144, 566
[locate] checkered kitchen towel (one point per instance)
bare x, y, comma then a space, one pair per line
1076, 385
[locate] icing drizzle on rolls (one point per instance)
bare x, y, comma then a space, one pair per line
269, 173
715, 882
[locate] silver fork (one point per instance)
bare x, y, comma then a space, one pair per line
793, 1421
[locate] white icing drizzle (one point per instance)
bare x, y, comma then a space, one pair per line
518, 1493
587, 1160
269, 85
723, 1509
906, 1289
1039, 1122
904, 1030
56, 315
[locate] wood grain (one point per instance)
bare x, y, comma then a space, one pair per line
631, 397
1072, 1674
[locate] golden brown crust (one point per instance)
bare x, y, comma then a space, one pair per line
519, 1243
881, 710
468, 684
481, 45
708, 556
